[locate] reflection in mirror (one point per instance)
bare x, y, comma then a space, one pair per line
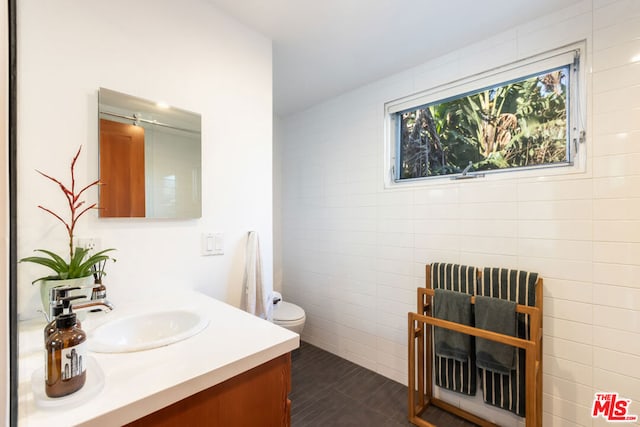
150, 159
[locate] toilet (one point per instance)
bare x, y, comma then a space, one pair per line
287, 315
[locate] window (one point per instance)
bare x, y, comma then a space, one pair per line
521, 117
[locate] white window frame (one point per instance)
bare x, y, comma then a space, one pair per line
570, 54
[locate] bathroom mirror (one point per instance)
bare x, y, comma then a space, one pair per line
150, 158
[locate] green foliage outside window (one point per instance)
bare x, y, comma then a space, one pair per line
522, 123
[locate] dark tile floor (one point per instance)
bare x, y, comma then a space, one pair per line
330, 391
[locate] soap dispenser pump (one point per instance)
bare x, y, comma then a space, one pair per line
66, 357
50, 328
62, 305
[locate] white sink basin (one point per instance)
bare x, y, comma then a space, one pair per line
146, 331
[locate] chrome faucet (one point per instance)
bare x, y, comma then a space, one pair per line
93, 305
56, 295
60, 293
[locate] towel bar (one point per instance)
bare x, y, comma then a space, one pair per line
420, 345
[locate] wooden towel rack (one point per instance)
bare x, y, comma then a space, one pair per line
421, 371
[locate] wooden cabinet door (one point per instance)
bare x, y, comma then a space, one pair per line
258, 397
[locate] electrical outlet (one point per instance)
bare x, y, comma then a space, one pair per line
90, 243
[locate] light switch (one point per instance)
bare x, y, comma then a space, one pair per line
212, 244
218, 247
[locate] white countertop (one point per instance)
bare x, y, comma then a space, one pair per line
142, 382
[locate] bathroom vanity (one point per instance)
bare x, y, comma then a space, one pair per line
234, 372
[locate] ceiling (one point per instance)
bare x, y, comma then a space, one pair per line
324, 48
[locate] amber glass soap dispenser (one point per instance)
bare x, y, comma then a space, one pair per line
66, 359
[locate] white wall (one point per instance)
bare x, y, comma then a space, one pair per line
186, 53
277, 203
354, 253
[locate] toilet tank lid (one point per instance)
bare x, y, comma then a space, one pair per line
287, 311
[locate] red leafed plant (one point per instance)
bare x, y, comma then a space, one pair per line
77, 266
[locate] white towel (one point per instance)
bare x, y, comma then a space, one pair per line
256, 294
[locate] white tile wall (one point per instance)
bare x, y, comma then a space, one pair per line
353, 252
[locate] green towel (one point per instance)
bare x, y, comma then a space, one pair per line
496, 315
455, 307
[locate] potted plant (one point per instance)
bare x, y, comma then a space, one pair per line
80, 267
